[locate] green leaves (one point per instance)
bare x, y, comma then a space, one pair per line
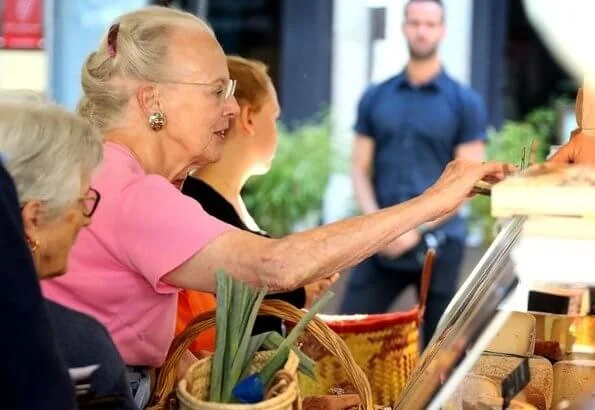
237, 308
273, 341
276, 362
244, 331
224, 289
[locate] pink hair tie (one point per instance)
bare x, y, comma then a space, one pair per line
112, 39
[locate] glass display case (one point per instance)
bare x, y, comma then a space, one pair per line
468, 325
491, 349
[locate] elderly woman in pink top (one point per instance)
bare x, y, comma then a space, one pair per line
158, 87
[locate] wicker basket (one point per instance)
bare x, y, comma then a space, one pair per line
385, 346
164, 395
193, 390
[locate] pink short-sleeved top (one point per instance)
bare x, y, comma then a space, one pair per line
143, 229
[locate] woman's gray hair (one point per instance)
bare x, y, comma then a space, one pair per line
141, 40
47, 151
23, 96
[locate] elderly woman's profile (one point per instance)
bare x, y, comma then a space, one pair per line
50, 155
159, 90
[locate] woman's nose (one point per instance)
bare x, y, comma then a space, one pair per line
231, 108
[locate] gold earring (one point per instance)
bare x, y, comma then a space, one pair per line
33, 244
157, 120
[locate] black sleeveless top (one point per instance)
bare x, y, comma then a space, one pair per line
216, 205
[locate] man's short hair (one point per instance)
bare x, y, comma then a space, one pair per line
438, 2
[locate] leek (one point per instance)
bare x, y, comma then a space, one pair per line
224, 285
256, 342
277, 361
306, 366
235, 372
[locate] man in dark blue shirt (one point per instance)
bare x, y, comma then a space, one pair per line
408, 129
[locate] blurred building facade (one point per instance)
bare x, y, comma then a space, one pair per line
322, 54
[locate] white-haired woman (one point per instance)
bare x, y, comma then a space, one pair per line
25, 318
50, 155
158, 87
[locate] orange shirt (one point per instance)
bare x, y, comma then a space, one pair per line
190, 304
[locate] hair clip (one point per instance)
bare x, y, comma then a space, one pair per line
112, 39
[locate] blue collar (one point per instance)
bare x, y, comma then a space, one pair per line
437, 83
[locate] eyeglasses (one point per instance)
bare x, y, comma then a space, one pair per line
225, 90
90, 202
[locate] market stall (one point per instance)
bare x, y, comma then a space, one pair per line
519, 333
489, 351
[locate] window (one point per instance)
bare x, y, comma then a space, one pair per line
249, 28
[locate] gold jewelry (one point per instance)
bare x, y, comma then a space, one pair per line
33, 244
157, 120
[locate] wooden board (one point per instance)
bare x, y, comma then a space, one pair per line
547, 190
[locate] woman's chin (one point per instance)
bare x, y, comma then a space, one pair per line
262, 169
52, 274
214, 155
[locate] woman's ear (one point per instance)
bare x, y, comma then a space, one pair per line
246, 119
31, 214
147, 97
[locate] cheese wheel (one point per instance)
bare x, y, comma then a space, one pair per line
476, 386
471, 389
585, 402
496, 404
573, 378
535, 397
517, 336
498, 367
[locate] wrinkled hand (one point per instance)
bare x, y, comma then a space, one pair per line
580, 149
402, 244
317, 289
456, 182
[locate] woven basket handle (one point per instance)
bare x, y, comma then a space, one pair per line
317, 328
426, 278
